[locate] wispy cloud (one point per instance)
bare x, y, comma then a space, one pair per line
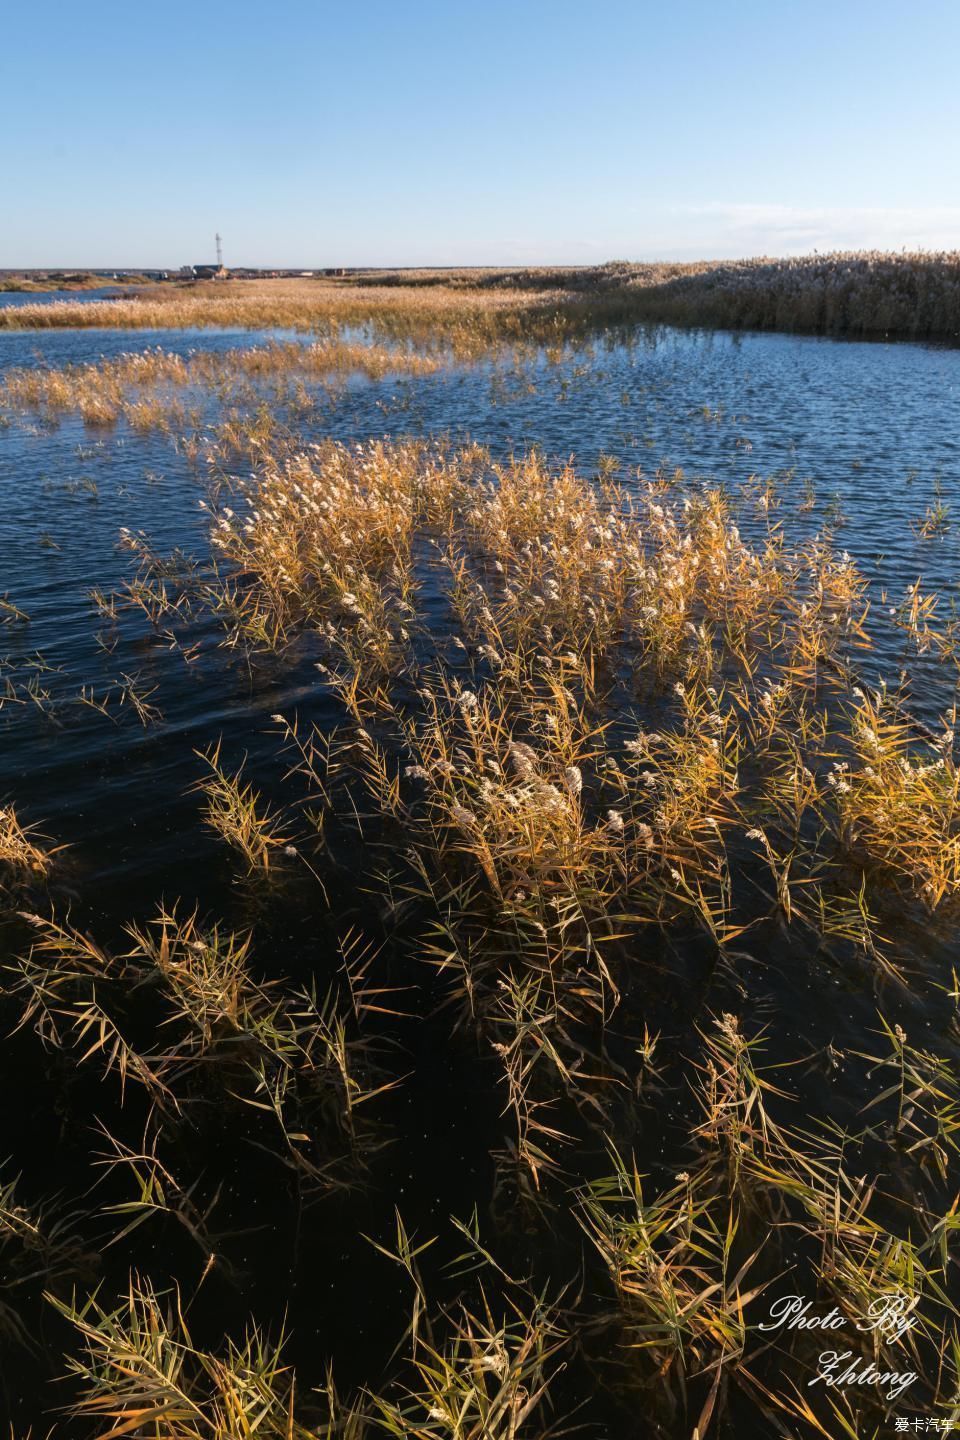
724, 230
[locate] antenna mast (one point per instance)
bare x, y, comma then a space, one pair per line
219, 253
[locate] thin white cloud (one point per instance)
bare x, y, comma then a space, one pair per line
756, 229
720, 230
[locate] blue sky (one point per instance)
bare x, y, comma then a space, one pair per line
419, 132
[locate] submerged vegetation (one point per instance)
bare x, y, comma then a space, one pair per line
582, 785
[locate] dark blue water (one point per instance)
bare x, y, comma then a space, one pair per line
869, 432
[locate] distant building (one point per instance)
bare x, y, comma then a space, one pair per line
203, 272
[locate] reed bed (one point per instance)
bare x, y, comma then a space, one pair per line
907, 294
471, 321
545, 829
563, 596
910, 295
859, 293
141, 387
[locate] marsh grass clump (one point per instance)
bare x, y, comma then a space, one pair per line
480, 1369
531, 886
491, 1378
72, 993
98, 392
325, 537
468, 322
10, 613
512, 809
232, 808
558, 554
141, 1374
563, 595
677, 1283
685, 1261
214, 1031
157, 1192
899, 803
297, 1051
689, 1262
22, 860
927, 1093
936, 518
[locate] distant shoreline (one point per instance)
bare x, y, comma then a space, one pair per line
863, 295
23, 284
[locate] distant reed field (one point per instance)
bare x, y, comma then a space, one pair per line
857, 294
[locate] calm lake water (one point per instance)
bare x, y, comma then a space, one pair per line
875, 428
48, 297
